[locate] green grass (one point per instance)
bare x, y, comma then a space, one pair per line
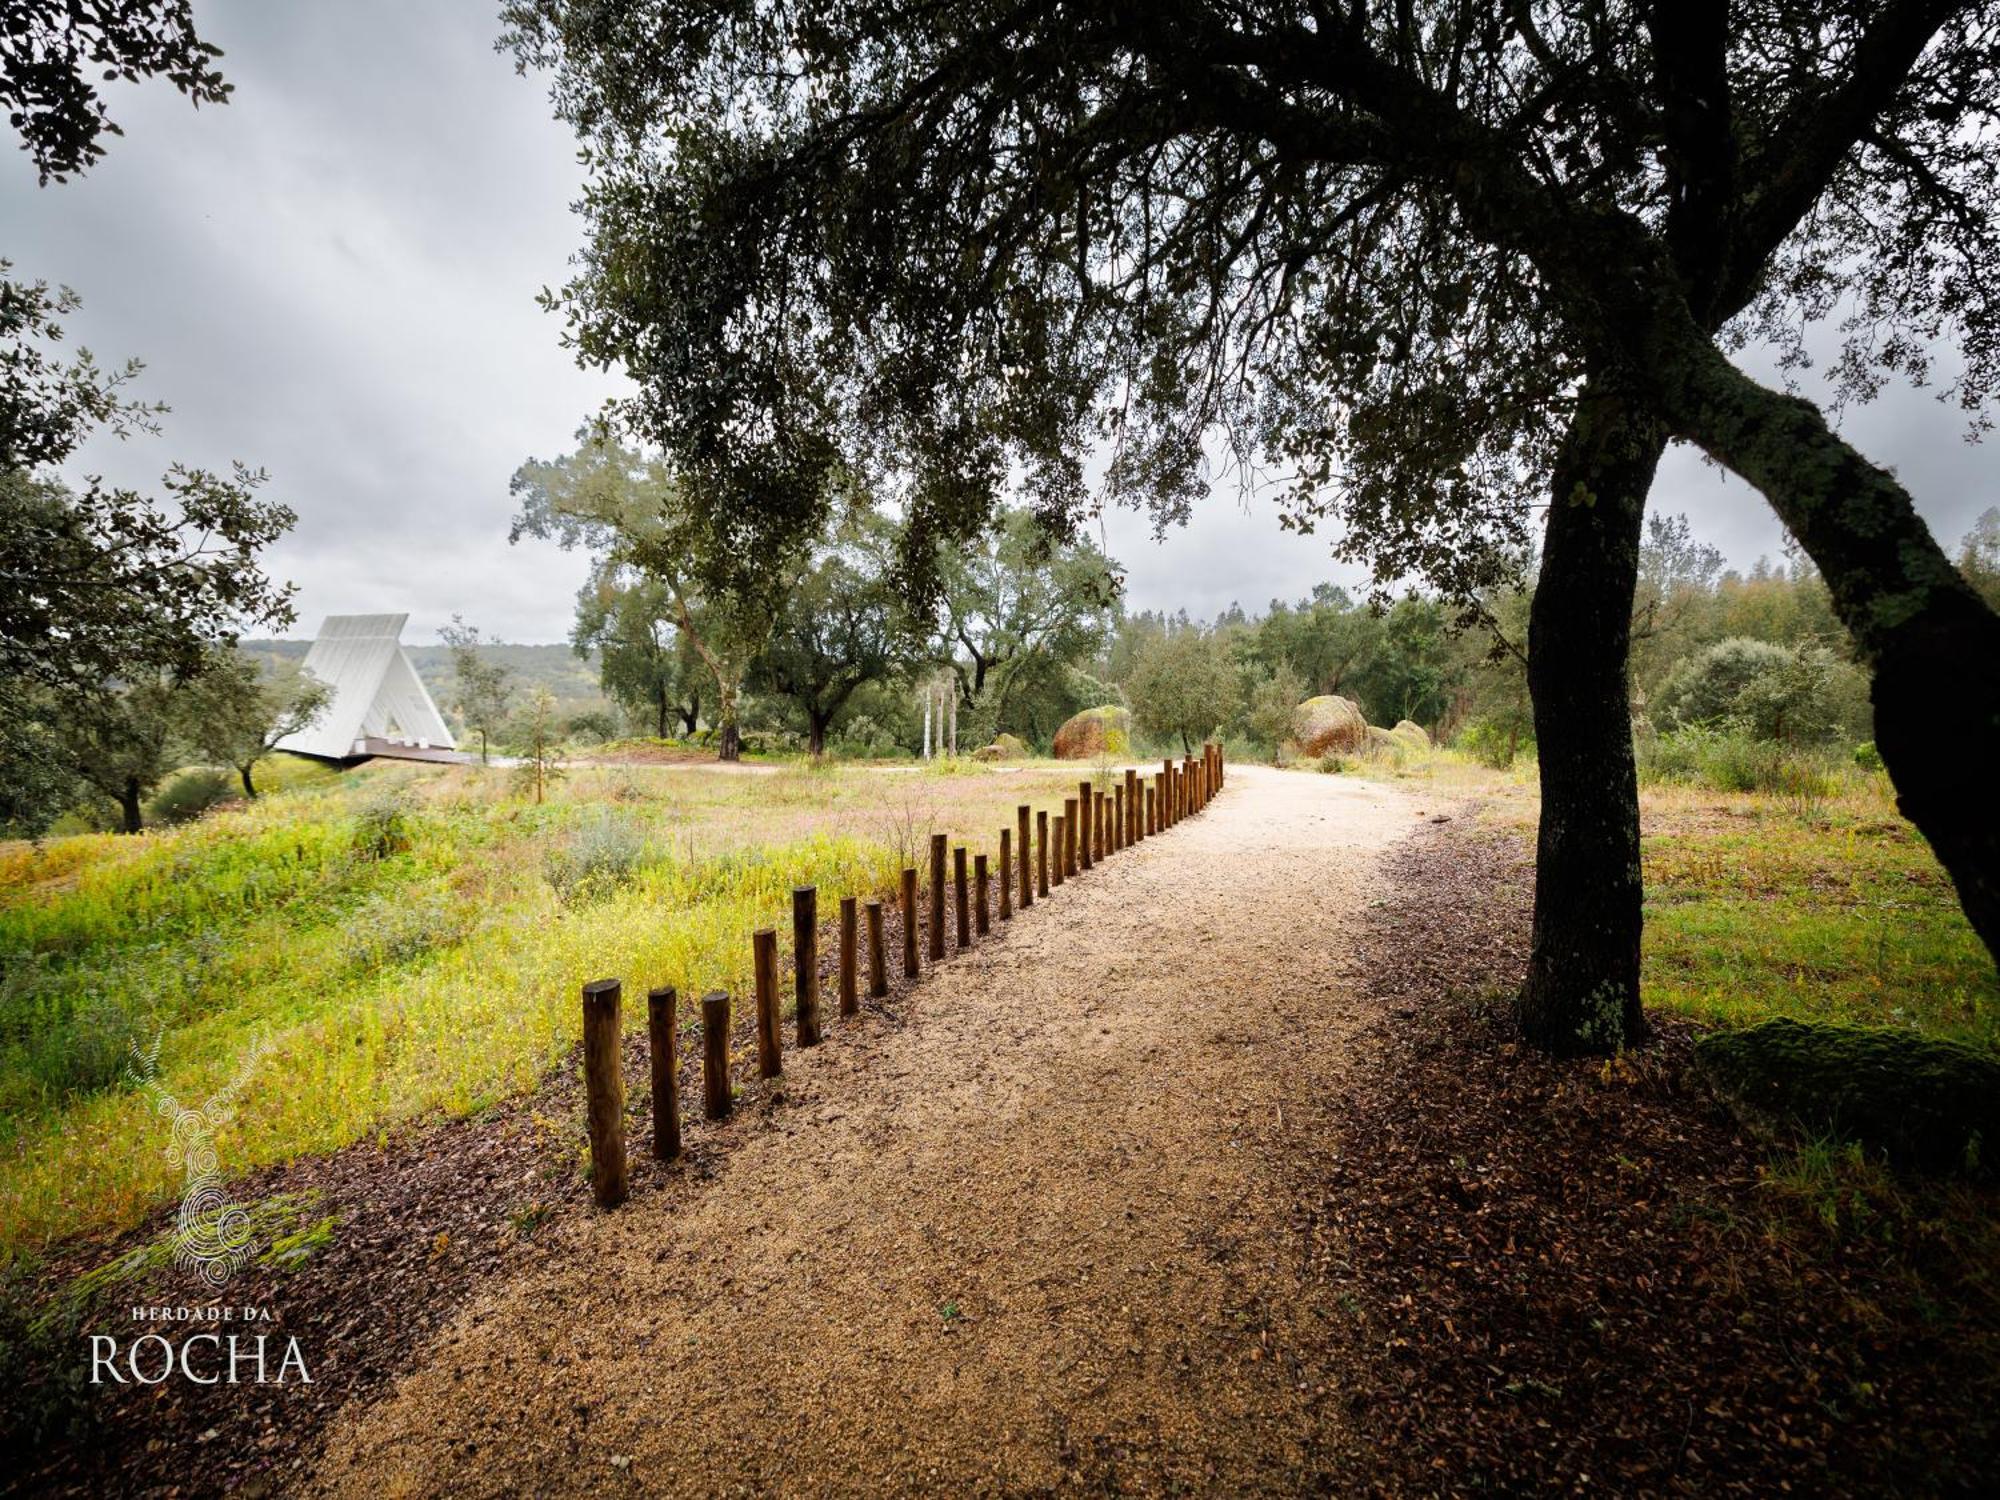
436, 970
1754, 910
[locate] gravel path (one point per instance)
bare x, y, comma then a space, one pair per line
1034, 1235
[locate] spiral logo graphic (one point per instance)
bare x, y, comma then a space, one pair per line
213, 1236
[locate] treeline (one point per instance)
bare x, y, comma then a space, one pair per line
1025, 633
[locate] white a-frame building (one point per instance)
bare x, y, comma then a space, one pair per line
379, 703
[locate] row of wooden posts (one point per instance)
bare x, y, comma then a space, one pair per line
1092, 826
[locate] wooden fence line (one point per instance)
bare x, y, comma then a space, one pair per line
1091, 826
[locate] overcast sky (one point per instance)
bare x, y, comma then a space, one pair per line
334, 277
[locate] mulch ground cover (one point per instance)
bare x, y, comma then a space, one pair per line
1583, 1275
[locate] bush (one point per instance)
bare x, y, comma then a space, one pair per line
1732, 761
1493, 743
1867, 756
400, 927
1804, 695
604, 854
1925, 1102
382, 825
191, 794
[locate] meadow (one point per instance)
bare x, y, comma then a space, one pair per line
394, 941
1810, 898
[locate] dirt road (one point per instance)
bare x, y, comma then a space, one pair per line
1033, 1235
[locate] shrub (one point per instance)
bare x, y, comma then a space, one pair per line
1803, 695
605, 853
1867, 756
400, 927
1925, 1102
191, 794
1729, 760
382, 825
1493, 743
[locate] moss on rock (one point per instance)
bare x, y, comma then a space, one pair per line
1095, 732
1328, 723
1004, 747
1927, 1103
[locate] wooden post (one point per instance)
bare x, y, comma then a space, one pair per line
1167, 819
960, 897
1151, 826
979, 922
1062, 843
1006, 881
715, 1097
604, 1091
1101, 825
1086, 805
1118, 839
662, 1020
850, 990
910, 966
1066, 846
878, 971
1135, 804
764, 953
937, 898
805, 962
1021, 838
1041, 857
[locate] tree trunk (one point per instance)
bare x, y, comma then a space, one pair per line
816, 733
244, 772
732, 737
128, 802
1582, 989
660, 722
691, 715
1932, 642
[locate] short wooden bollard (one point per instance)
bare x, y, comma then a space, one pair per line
937, 898
1101, 826
961, 897
1151, 827
850, 989
1041, 857
1066, 845
979, 921
878, 971
1167, 819
604, 1091
1005, 883
910, 966
1118, 839
1135, 822
1085, 805
715, 1095
662, 1022
805, 963
1061, 837
1026, 845
764, 954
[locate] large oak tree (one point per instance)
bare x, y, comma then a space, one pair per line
1430, 261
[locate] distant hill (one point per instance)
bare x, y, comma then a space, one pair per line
570, 678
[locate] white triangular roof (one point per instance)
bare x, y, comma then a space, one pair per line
376, 692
